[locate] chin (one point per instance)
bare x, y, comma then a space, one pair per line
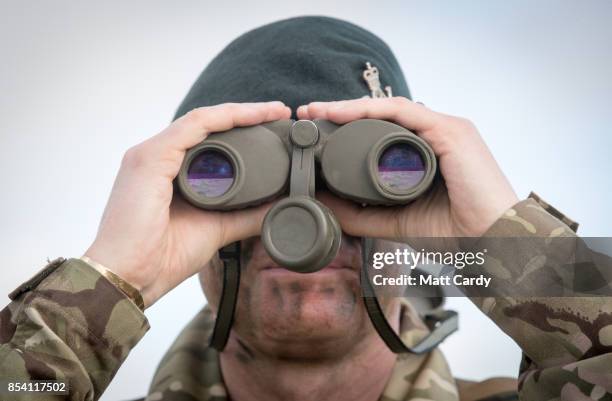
292, 312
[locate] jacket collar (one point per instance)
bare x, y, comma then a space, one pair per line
190, 369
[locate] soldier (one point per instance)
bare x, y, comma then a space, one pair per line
296, 337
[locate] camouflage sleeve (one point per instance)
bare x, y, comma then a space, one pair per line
68, 323
566, 341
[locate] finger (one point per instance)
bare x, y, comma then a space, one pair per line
371, 221
217, 228
242, 224
404, 112
302, 113
193, 127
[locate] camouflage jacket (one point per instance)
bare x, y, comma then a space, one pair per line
56, 327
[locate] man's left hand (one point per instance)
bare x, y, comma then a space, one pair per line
476, 192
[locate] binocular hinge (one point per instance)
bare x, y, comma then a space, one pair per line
302, 173
304, 137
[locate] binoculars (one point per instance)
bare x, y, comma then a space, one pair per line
372, 162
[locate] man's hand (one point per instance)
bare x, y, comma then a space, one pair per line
476, 193
153, 240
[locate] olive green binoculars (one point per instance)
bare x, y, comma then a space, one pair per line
372, 162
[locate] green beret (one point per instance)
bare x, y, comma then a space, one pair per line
297, 61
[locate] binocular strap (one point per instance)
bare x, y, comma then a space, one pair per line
440, 323
230, 255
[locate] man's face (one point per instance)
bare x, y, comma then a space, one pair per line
291, 314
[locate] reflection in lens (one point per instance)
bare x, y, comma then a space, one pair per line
210, 174
400, 167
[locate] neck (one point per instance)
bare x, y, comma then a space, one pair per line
359, 375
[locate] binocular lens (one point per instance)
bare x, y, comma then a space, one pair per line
210, 174
400, 167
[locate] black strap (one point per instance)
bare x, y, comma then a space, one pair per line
230, 255
440, 323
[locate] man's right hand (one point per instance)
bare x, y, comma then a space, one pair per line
155, 241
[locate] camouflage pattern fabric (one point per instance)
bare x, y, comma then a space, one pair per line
190, 369
566, 342
75, 326
72, 324
573, 225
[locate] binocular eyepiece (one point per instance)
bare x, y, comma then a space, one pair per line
372, 162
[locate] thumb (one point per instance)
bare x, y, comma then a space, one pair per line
241, 224
358, 221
